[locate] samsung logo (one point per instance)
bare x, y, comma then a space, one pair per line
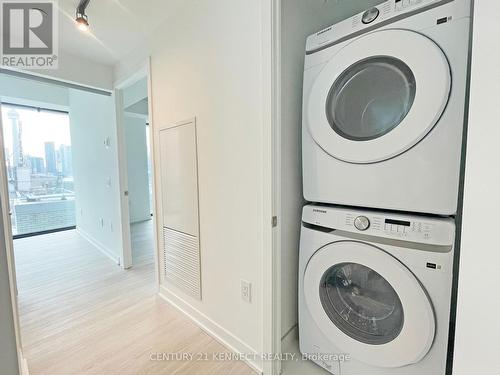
324, 31
319, 211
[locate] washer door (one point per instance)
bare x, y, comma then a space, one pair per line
368, 304
379, 96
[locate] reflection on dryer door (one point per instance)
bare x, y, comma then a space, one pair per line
179, 197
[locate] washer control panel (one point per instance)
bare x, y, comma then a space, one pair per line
411, 228
369, 18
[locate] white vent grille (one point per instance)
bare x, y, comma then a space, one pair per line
181, 261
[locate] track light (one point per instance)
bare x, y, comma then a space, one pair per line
82, 20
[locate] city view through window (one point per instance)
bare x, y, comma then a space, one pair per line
39, 169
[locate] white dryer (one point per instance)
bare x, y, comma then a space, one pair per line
384, 104
375, 291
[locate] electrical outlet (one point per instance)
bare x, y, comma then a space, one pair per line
246, 291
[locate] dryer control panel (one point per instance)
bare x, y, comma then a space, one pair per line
382, 14
411, 228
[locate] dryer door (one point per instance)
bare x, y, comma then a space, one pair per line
368, 304
378, 96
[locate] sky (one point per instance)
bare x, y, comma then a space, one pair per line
38, 128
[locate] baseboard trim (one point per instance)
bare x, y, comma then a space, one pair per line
223, 336
23, 365
103, 249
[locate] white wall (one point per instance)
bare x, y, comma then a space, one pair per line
477, 342
8, 345
29, 92
135, 61
137, 167
207, 62
95, 169
299, 18
80, 71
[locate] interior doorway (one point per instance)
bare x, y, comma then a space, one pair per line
136, 168
60, 148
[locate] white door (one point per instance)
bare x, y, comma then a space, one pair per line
369, 304
378, 96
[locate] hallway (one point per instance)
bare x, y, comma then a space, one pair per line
81, 314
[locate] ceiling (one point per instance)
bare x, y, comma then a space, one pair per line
119, 26
116, 27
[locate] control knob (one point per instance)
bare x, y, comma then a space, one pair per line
370, 15
362, 223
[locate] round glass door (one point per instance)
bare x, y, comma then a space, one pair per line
376, 97
369, 304
371, 98
361, 303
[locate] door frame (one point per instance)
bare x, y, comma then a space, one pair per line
9, 247
144, 71
271, 167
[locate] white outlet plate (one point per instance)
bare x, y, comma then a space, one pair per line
246, 291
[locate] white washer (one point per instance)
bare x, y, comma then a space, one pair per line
384, 103
375, 291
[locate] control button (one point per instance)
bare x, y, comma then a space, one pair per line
362, 223
370, 15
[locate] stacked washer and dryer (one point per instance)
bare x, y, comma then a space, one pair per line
383, 128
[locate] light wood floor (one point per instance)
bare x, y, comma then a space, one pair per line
81, 314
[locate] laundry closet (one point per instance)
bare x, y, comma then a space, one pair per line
299, 19
361, 139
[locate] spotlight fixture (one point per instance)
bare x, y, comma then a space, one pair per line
82, 20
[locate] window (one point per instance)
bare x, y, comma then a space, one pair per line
39, 169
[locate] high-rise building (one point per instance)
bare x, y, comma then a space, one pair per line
8, 162
66, 160
36, 164
50, 158
17, 141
